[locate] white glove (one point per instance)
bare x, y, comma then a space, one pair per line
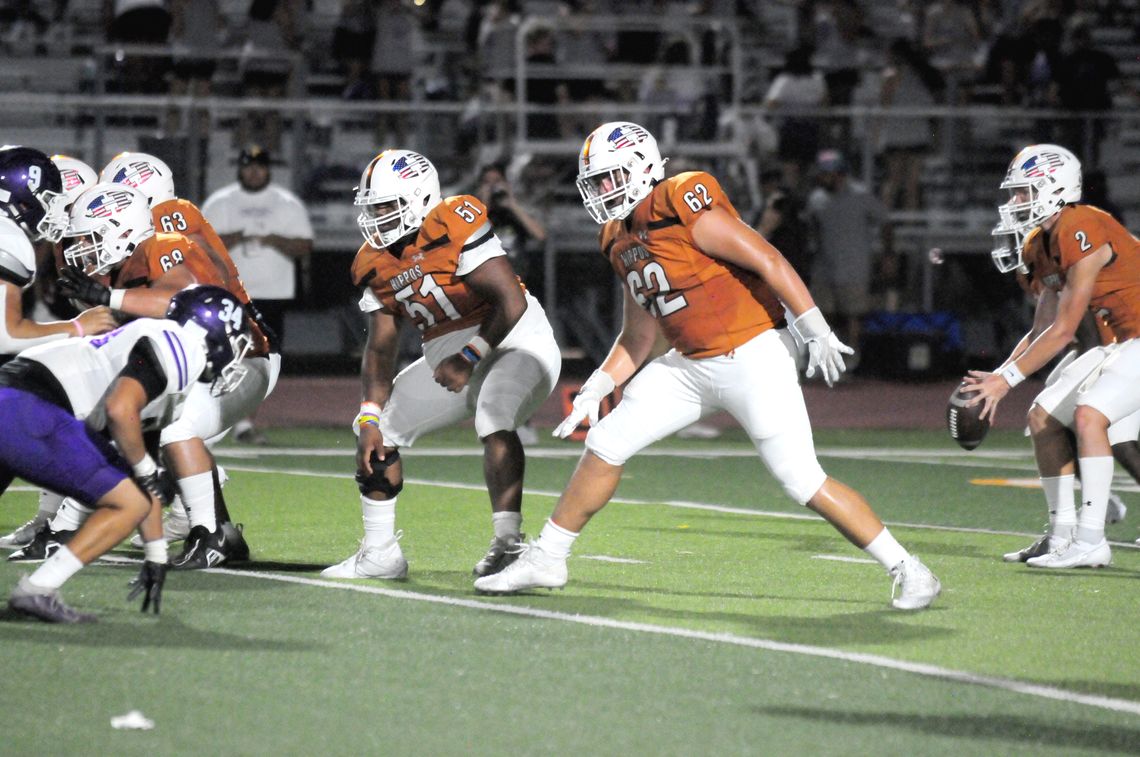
586, 404
825, 351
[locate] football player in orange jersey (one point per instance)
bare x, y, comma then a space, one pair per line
489, 352
718, 291
1080, 259
113, 235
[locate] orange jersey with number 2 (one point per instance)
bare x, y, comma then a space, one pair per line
705, 306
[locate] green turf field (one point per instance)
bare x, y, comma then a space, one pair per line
705, 614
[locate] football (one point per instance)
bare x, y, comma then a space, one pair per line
964, 423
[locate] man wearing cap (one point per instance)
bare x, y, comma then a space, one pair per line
847, 220
266, 229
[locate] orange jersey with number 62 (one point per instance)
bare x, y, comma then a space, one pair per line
705, 306
420, 281
1081, 230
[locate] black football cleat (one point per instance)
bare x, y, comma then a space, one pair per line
48, 607
43, 545
211, 550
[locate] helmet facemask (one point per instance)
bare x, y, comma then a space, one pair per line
386, 221
53, 225
1006, 252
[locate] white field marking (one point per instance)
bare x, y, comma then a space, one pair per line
682, 504
844, 558
878, 661
858, 453
22, 489
607, 558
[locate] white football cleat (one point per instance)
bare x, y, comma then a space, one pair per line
1045, 544
1116, 509
915, 587
385, 561
1076, 554
535, 568
23, 535
175, 527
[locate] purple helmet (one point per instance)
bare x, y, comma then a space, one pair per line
225, 328
31, 192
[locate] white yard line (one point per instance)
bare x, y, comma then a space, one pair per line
878, 661
845, 558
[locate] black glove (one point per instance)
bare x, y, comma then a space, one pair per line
77, 285
159, 485
149, 580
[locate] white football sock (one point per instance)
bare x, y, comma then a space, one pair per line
507, 524
56, 569
379, 520
555, 540
886, 549
177, 509
1061, 501
198, 498
70, 516
1096, 480
49, 503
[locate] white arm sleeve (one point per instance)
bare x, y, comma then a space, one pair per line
368, 301
481, 247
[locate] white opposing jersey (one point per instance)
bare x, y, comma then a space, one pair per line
17, 257
86, 367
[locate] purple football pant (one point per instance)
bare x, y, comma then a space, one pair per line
45, 445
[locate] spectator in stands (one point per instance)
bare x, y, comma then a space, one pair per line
352, 44
781, 222
197, 29
272, 40
953, 39
138, 22
1084, 82
908, 81
847, 221
521, 234
543, 90
675, 84
266, 230
799, 85
392, 62
840, 35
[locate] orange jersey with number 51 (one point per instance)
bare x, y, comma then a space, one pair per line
420, 280
705, 306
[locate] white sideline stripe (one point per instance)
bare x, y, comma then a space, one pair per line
844, 558
682, 504
607, 558
922, 669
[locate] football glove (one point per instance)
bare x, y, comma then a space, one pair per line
825, 351
159, 485
149, 583
76, 285
587, 403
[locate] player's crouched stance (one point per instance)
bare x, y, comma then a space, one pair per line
489, 352
715, 287
56, 400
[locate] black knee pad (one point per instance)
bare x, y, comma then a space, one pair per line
377, 481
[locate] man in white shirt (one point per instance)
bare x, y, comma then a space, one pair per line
266, 229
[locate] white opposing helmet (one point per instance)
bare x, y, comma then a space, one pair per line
396, 192
617, 168
142, 171
110, 221
1041, 180
77, 176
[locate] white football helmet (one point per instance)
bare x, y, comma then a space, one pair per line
77, 176
108, 221
142, 171
617, 169
397, 190
1041, 180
